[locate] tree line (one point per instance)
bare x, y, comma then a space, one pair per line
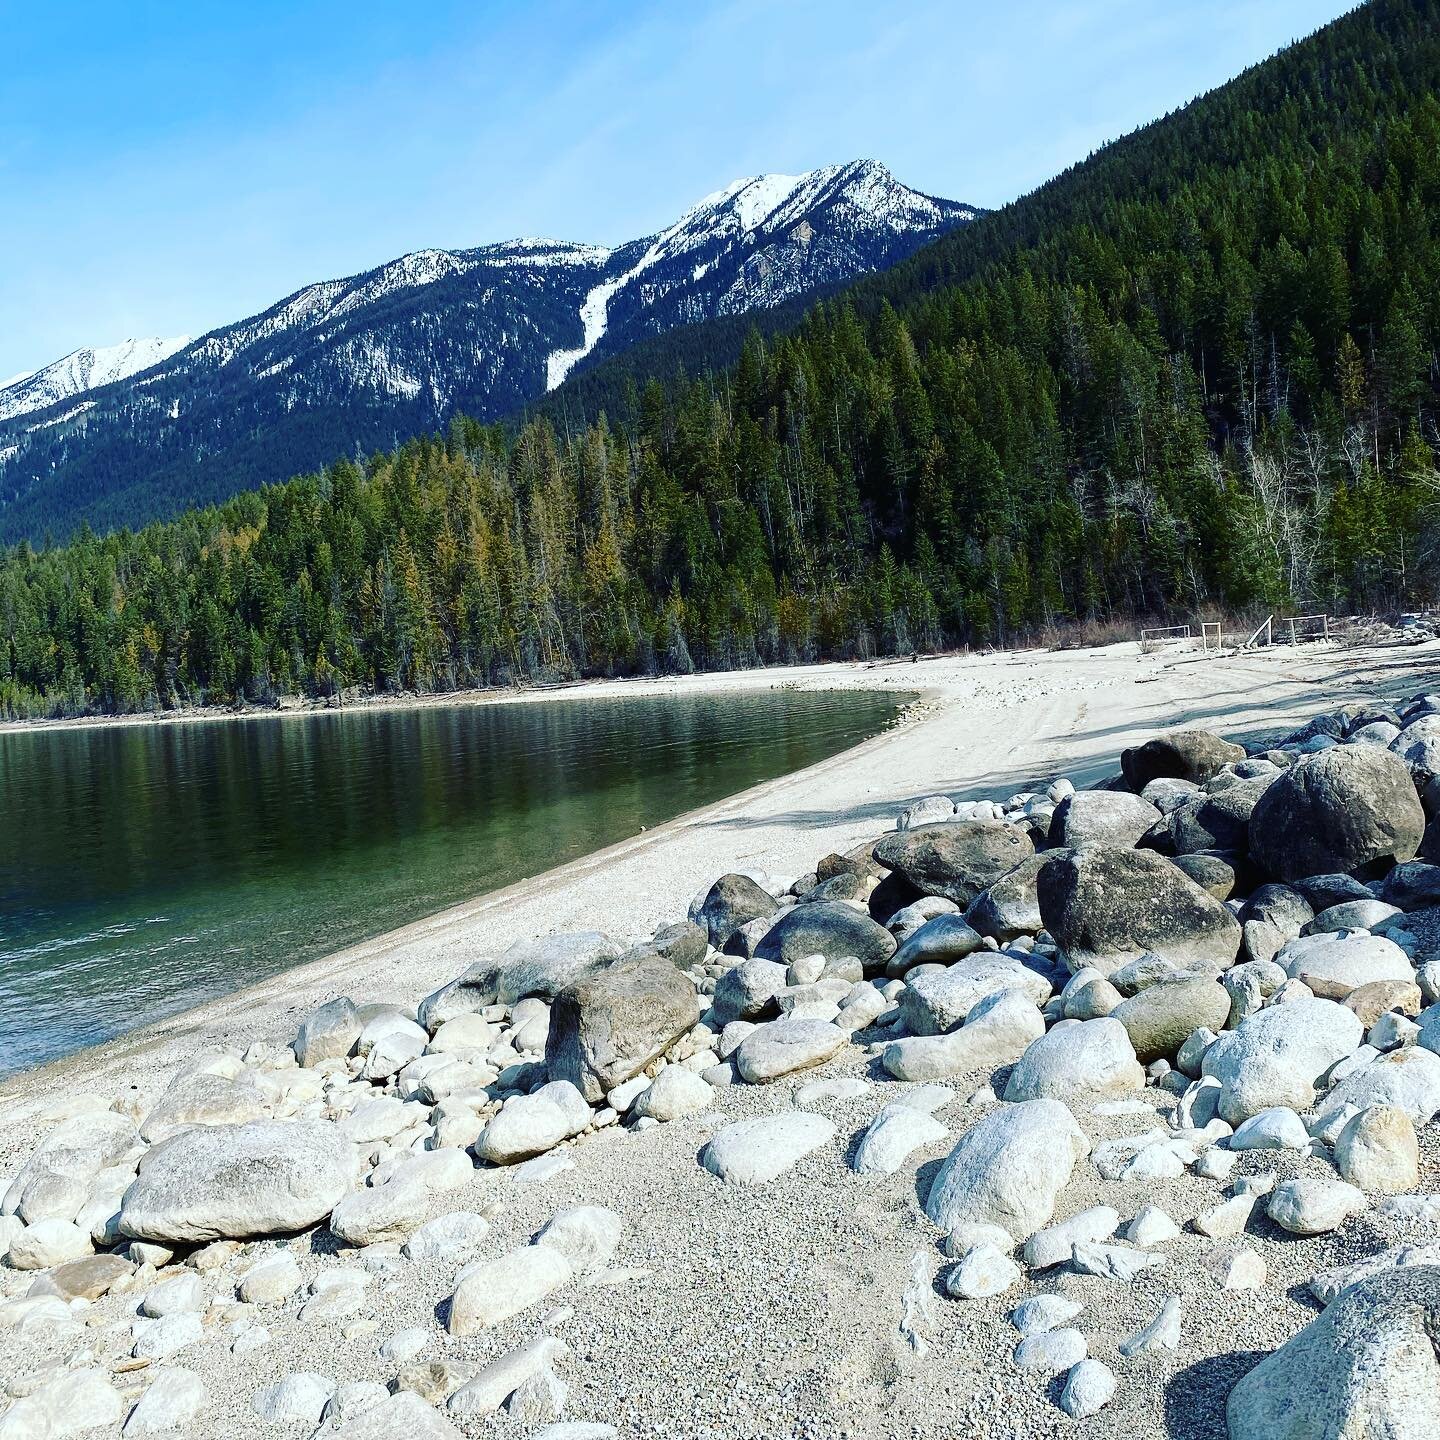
1205, 375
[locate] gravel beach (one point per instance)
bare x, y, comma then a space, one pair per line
811, 1305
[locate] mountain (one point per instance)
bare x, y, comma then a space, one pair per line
82, 370
1194, 376
362, 363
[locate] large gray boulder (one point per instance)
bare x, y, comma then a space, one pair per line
1079, 1062
1161, 1017
1368, 1368
613, 1023
1412, 885
733, 901
780, 1047
1193, 755
542, 967
1278, 1056
1344, 809
749, 990
1216, 822
76, 1150
941, 941
236, 1182
997, 1031
1009, 1169
1333, 965
829, 928
940, 1000
1010, 907
1418, 745
1407, 1079
958, 859
682, 943
1106, 906
1101, 817
328, 1032
203, 1099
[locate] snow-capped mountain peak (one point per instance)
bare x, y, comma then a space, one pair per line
859, 198
82, 370
365, 361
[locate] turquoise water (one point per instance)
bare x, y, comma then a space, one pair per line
145, 869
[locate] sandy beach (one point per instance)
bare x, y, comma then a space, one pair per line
770, 1311
984, 725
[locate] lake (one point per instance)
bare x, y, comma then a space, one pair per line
145, 869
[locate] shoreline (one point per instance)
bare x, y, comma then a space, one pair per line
469, 910
961, 736
705, 681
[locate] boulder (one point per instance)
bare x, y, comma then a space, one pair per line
957, 859
1079, 1062
893, 1136
327, 1033
1193, 755
613, 1023
780, 1047
492, 1291
1412, 885
1335, 965
1409, 1079
1101, 817
1367, 1366
1378, 1151
1343, 810
683, 944
753, 1152
1106, 906
203, 1099
529, 1125
733, 901
587, 1236
1216, 822
174, 1398
1010, 906
1279, 1055
997, 1031
1008, 1169
925, 812
1214, 872
1313, 1205
269, 1177
1160, 1018
1089, 1388
940, 941
832, 929
675, 1094
938, 1001
543, 967
749, 990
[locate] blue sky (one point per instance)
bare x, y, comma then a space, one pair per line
165, 168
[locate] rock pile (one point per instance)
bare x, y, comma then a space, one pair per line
1235, 953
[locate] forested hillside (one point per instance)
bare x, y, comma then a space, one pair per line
1199, 368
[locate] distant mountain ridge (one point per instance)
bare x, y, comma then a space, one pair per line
82, 370
364, 362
